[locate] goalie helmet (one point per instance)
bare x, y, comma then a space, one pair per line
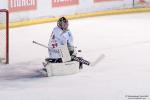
62, 23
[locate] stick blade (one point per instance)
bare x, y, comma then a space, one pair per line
101, 57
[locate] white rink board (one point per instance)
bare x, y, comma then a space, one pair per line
44, 8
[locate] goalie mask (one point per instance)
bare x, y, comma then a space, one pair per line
62, 23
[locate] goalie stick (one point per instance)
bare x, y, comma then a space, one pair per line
89, 63
93, 63
47, 46
40, 44
101, 57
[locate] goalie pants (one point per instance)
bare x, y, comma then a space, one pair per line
59, 60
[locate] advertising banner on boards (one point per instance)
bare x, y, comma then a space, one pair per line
106, 0
21, 5
141, 3
63, 3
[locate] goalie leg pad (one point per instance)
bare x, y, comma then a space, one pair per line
59, 69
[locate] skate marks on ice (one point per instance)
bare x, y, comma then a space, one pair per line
25, 70
29, 70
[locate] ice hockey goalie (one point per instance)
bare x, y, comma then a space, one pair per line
67, 64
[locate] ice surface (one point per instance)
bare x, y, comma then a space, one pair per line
125, 71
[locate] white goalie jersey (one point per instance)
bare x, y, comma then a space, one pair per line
58, 38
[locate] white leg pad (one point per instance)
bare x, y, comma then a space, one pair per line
58, 69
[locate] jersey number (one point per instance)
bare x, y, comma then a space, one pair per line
54, 45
